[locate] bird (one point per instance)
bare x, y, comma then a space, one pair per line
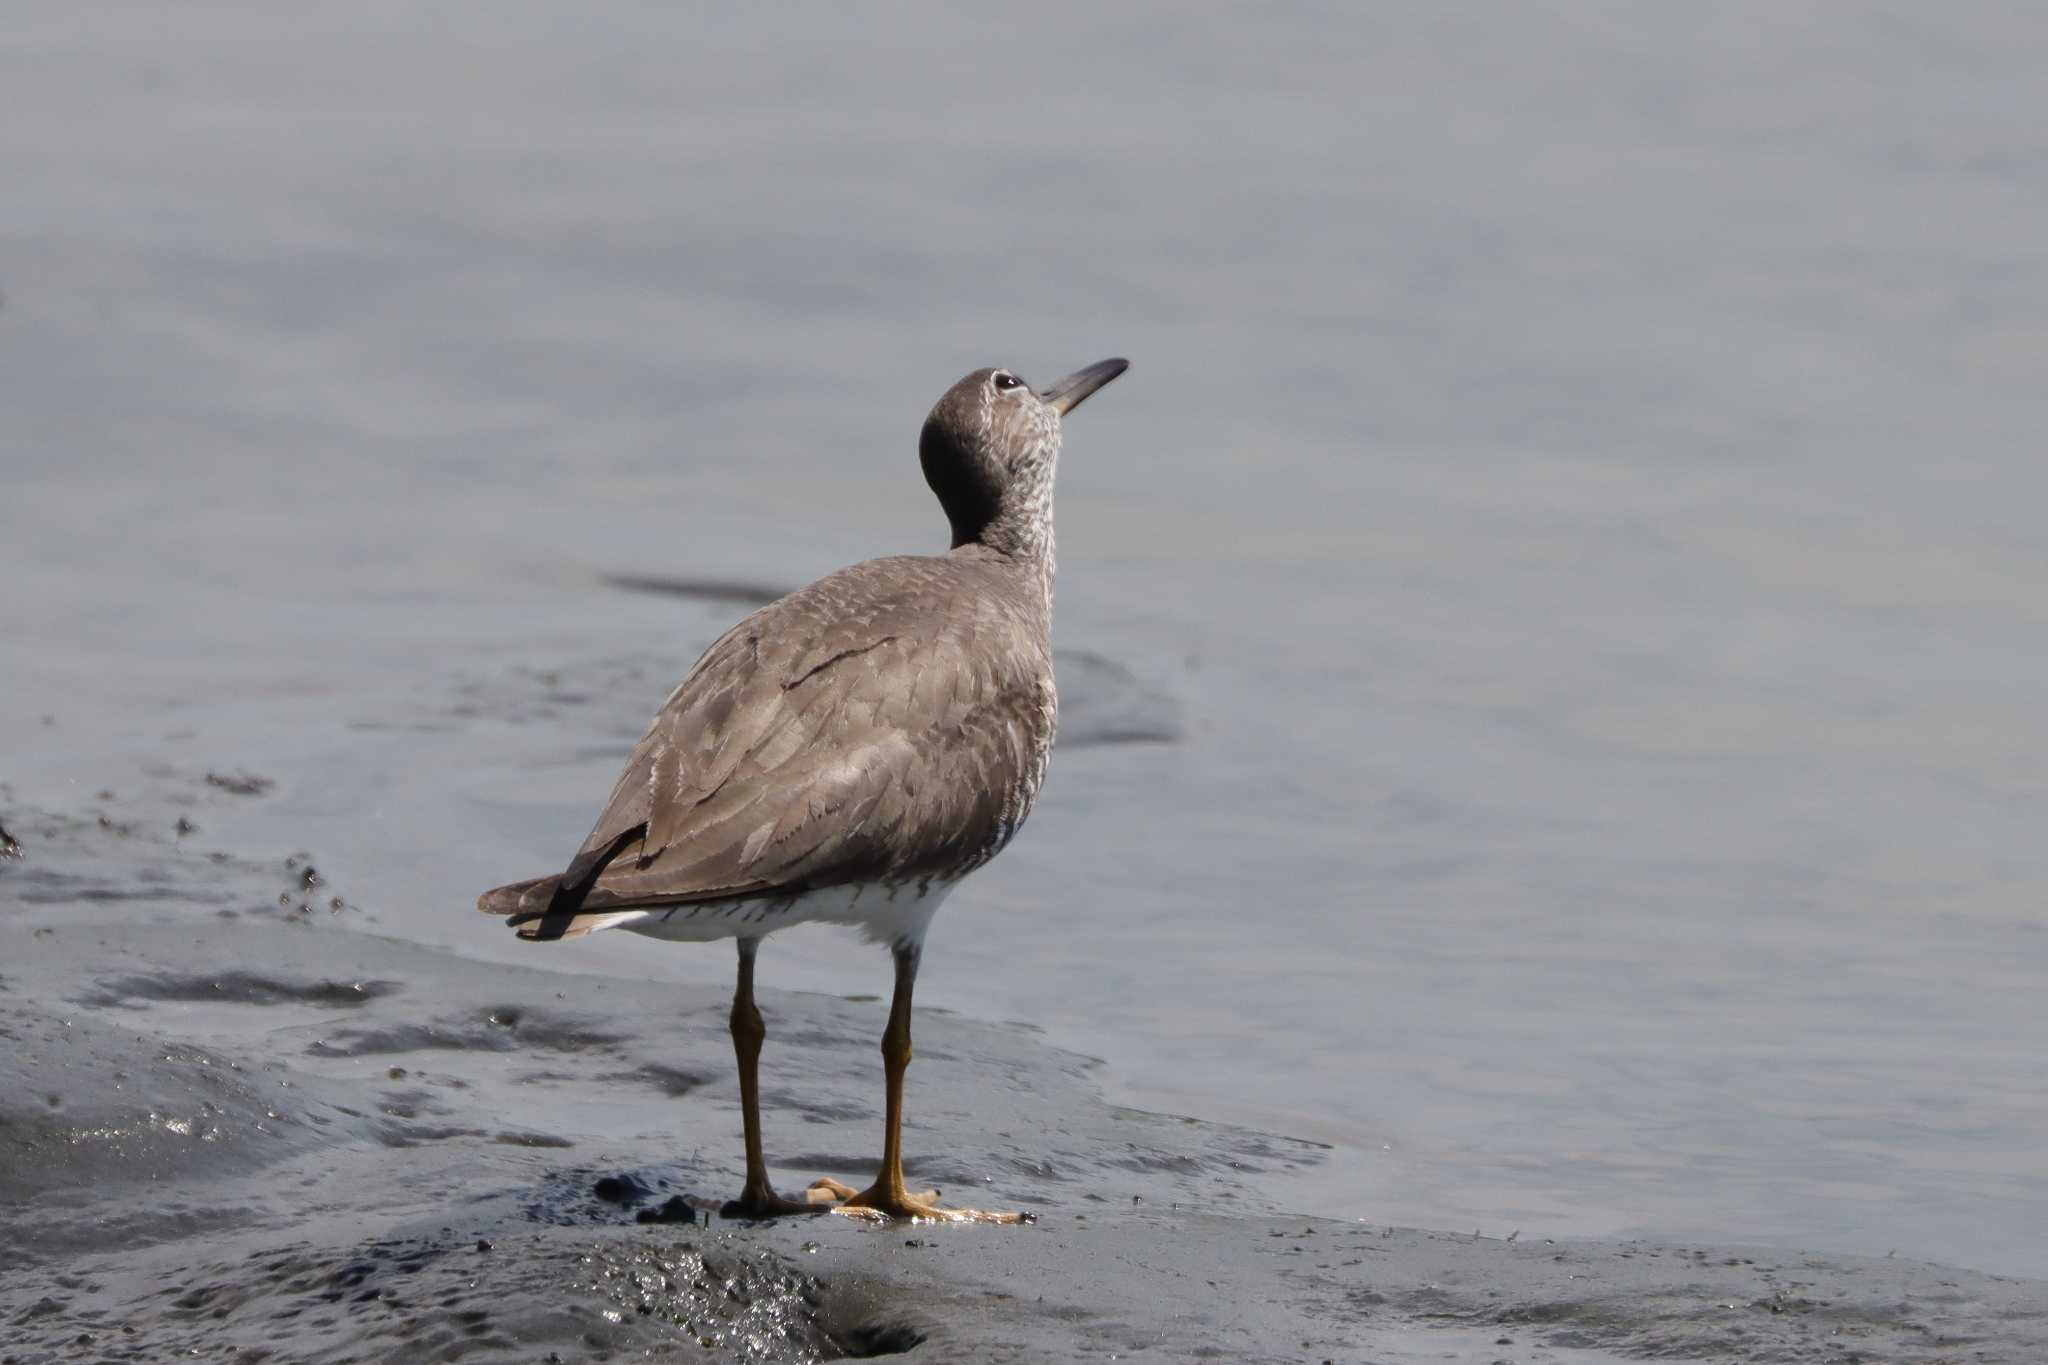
848, 754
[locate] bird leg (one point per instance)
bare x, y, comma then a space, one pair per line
887, 1198
758, 1198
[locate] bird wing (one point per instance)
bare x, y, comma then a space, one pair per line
851, 731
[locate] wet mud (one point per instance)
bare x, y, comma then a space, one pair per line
231, 1130
534, 1295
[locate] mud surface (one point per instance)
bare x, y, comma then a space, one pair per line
346, 1147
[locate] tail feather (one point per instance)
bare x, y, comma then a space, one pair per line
541, 925
520, 898
554, 907
533, 908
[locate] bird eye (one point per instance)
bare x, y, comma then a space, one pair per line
1005, 380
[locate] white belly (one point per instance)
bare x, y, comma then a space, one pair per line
883, 914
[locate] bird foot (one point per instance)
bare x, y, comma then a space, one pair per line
830, 1191
826, 1190
882, 1206
764, 1202
820, 1196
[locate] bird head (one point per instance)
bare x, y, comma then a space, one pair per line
990, 448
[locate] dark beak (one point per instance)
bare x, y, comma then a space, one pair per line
1071, 392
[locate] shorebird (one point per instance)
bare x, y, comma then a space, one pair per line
847, 754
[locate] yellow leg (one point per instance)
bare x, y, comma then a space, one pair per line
758, 1199
887, 1197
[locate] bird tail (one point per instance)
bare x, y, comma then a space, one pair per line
520, 898
553, 907
532, 908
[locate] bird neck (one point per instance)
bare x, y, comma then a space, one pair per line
1023, 546
1022, 525
1021, 531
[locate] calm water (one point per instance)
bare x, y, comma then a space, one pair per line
1578, 503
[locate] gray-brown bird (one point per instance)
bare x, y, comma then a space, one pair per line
847, 754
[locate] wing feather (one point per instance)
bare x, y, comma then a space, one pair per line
873, 725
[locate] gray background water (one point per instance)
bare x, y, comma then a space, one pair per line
1577, 503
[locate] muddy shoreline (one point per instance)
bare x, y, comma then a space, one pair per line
232, 1124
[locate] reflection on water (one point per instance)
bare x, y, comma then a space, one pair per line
1571, 530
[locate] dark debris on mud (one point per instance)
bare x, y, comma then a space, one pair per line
143, 855
235, 987
581, 1196
240, 784
498, 1028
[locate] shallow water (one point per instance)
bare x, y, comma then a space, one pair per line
1558, 601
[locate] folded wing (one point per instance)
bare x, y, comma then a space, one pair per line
841, 734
